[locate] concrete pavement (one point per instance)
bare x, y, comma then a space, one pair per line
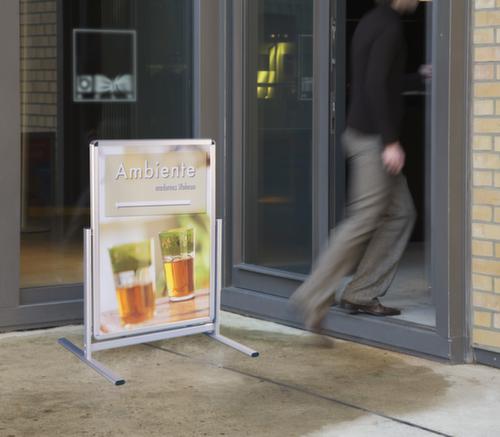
301, 385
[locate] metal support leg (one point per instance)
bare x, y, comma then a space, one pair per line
235, 345
216, 335
86, 354
98, 367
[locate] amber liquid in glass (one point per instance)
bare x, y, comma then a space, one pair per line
136, 303
179, 274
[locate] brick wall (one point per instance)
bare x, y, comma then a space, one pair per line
486, 174
38, 65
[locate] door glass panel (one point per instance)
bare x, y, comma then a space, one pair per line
278, 134
91, 69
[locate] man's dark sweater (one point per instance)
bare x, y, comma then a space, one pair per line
378, 62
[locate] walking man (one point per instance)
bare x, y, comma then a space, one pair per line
380, 211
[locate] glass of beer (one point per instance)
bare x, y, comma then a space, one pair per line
132, 270
177, 249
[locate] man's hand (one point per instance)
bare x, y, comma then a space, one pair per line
393, 158
426, 71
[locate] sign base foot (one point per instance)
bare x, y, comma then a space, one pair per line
234, 344
98, 367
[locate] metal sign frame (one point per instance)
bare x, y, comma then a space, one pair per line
98, 201
211, 328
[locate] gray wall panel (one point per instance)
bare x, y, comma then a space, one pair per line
10, 161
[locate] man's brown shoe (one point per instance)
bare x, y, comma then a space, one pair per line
374, 309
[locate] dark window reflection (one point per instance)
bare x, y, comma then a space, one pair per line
91, 69
279, 135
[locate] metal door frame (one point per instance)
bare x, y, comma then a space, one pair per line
263, 292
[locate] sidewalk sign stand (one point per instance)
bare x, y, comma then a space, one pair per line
211, 328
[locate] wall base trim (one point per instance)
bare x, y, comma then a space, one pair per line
488, 358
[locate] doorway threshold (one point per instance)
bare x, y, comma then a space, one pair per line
390, 333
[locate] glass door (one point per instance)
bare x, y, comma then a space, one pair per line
289, 174
431, 314
411, 290
277, 185
118, 69
276, 194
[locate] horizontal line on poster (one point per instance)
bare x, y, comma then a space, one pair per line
152, 204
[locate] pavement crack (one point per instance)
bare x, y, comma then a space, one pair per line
300, 390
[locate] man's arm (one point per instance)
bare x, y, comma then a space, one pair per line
382, 56
416, 81
413, 82
381, 59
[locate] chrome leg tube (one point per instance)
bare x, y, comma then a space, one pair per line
87, 292
85, 355
235, 345
98, 367
218, 296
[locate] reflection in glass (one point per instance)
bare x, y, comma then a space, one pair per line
278, 139
91, 69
